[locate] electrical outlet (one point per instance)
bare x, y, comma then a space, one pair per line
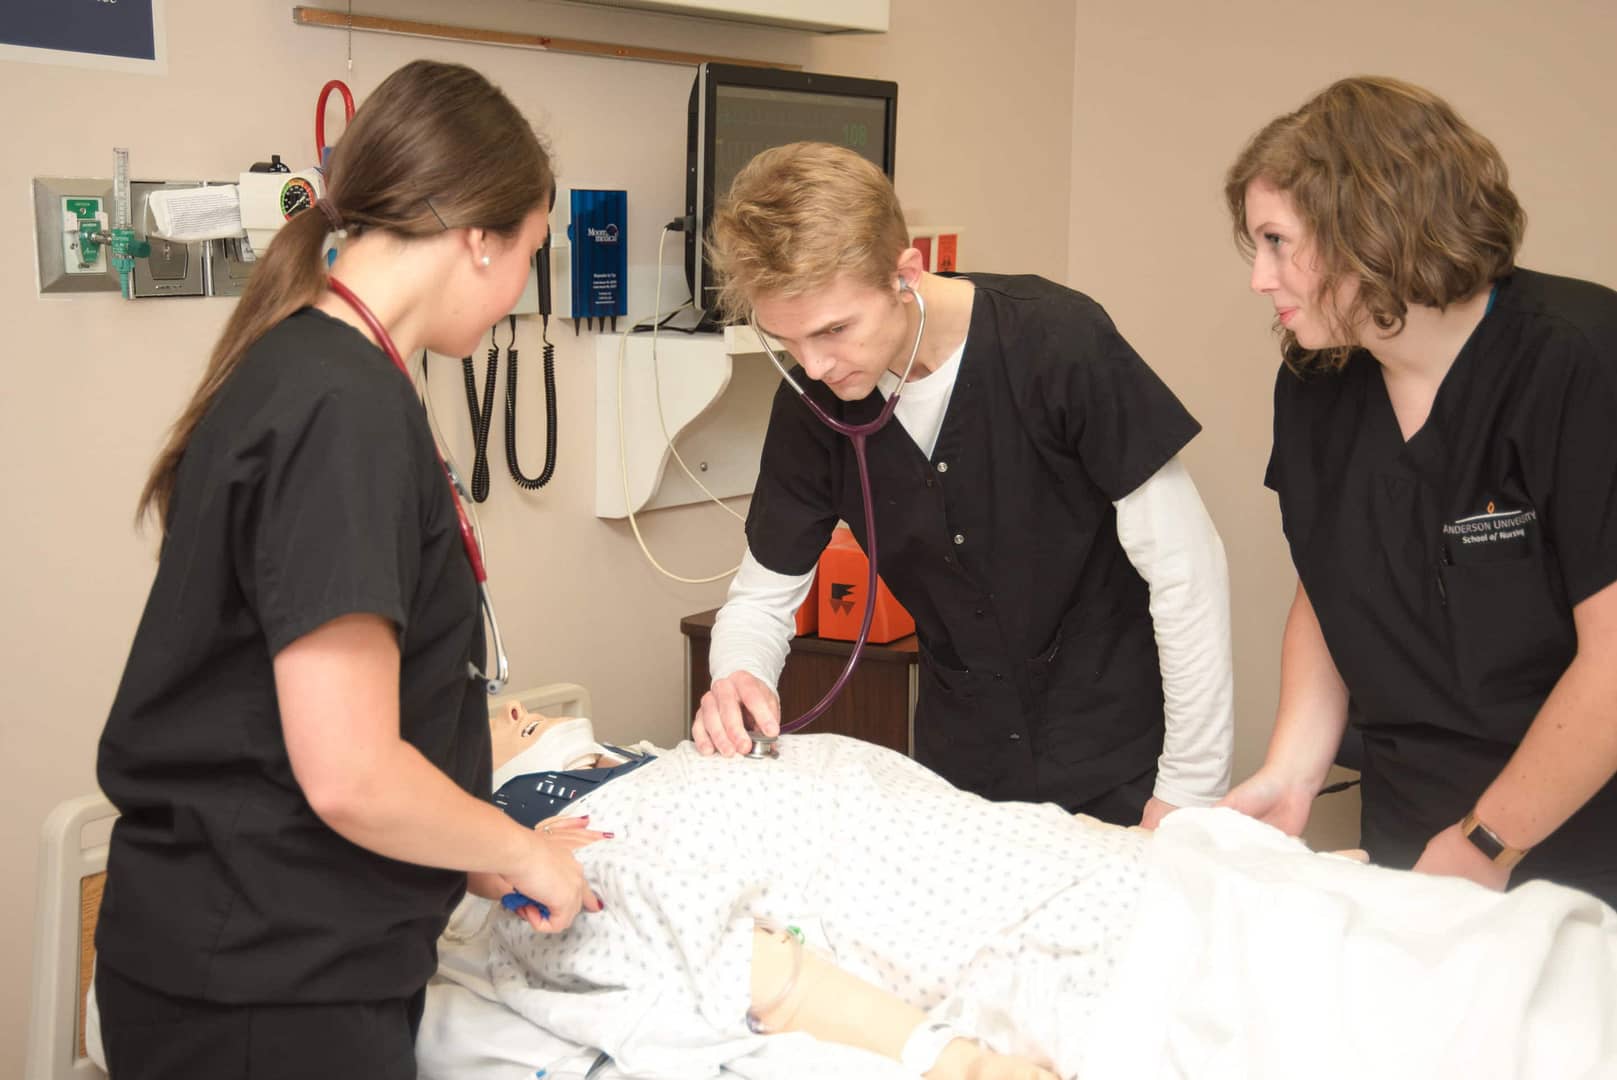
61, 270
228, 271
228, 261
172, 268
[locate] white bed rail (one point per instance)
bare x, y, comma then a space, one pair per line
73, 850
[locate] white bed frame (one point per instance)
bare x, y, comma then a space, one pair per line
72, 869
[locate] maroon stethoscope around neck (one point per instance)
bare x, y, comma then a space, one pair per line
468, 535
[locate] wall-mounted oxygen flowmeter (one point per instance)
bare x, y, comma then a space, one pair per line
93, 232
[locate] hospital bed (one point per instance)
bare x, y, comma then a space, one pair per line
1210, 908
72, 872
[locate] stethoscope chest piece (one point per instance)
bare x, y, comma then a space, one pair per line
764, 746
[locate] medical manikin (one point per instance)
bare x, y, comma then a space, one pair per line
787, 981
873, 905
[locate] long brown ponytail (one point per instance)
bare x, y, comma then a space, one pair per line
435, 147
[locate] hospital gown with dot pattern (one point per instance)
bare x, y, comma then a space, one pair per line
981, 913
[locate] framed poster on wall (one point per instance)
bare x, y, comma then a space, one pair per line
112, 35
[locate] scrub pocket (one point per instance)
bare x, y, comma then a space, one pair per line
1097, 688
1511, 628
952, 729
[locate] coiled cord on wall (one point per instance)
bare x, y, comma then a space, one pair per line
524, 482
482, 417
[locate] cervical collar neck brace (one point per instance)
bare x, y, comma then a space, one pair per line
568, 745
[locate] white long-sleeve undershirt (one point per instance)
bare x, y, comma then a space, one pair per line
1169, 538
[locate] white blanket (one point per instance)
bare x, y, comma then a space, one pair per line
466, 1034
1254, 958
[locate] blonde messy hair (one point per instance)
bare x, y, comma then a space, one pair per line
1397, 193
798, 216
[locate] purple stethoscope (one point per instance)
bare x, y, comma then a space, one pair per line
468, 535
764, 746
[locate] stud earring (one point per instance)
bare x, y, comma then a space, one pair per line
485, 260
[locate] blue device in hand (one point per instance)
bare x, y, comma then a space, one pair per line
515, 901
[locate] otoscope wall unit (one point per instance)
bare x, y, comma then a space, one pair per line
715, 393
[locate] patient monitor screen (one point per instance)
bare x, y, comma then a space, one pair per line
752, 119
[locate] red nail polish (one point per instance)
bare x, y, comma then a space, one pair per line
608, 836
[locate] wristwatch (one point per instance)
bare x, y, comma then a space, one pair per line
1487, 841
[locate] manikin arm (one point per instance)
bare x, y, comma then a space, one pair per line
830, 1004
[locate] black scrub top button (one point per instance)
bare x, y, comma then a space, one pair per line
1016, 737
943, 466
959, 539
979, 613
998, 676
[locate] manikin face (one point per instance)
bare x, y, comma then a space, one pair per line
844, 335
1285, 269
515, 729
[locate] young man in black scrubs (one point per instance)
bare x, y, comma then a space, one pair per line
296, 741
1446, 463
1068, 588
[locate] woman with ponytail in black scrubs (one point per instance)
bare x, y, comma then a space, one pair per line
1446, 460
298, 751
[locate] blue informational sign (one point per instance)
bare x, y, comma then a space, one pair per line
120, 28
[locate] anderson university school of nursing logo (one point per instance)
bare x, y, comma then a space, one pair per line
1492, 528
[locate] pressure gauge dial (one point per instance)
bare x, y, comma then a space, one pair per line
296, 196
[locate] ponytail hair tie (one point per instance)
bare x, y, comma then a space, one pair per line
333, 215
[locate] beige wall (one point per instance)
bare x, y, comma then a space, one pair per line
93, 380
1165, 95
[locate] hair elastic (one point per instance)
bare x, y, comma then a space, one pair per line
333, 215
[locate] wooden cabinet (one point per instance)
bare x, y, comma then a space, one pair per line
877, 705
